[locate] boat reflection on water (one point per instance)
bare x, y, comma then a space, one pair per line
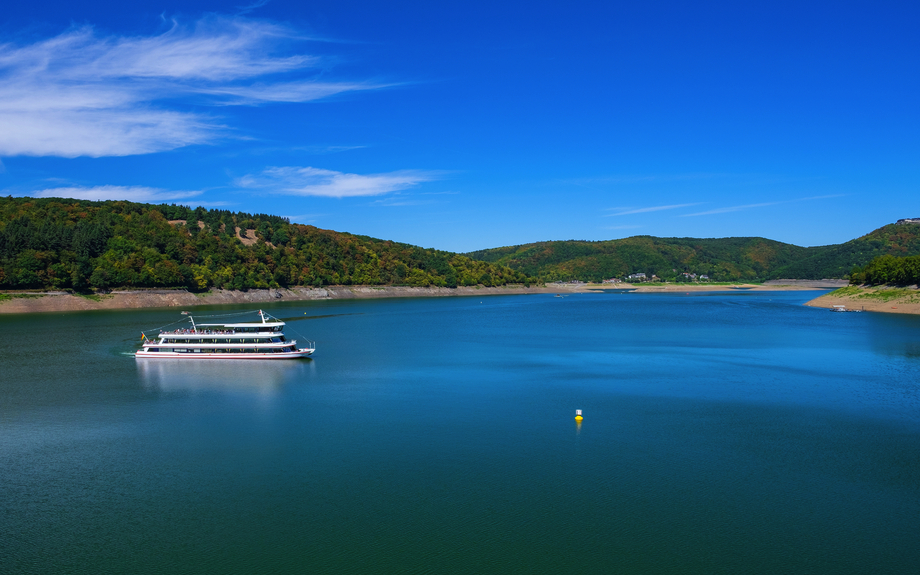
226, 375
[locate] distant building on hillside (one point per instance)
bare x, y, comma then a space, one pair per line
909, 221
613, 281
639, 276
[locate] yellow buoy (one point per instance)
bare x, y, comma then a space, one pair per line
578, 416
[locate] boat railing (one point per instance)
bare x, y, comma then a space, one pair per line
189, 331
203, 332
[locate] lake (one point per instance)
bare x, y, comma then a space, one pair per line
722, 433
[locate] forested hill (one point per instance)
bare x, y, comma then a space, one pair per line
723, 259
63, 243
839, 260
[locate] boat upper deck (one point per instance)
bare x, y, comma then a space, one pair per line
227, 336
253, 329
248, 325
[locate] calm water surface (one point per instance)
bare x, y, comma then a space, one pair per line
723, 433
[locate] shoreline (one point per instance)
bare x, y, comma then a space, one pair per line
47, 302
43, 302
879, 299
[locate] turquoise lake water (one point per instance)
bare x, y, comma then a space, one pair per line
723, 433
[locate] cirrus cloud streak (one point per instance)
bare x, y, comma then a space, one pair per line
309, 181
730, 209
651, 209
129, 193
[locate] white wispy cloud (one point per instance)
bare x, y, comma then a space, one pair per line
129, 193
305, 218
729, 209
398, 201
639, 179
250, 7
650, 209
309, 181
82, 94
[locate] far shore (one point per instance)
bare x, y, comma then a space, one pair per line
772, 285
50, 301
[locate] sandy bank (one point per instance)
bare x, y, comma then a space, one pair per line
25, 302
880, 299
36, 302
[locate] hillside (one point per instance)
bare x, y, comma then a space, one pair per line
837, 261
722, 259
54, 243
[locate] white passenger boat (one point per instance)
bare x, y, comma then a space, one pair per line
251, 340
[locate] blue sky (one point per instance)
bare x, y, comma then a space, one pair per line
467, 125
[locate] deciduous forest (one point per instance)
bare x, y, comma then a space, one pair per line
722, 259
53, 243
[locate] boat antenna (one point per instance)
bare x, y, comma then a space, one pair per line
262, 315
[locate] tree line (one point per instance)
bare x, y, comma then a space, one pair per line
53, 243
722, 259
725, 259
888, 269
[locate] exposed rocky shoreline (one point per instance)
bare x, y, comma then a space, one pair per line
37, 302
